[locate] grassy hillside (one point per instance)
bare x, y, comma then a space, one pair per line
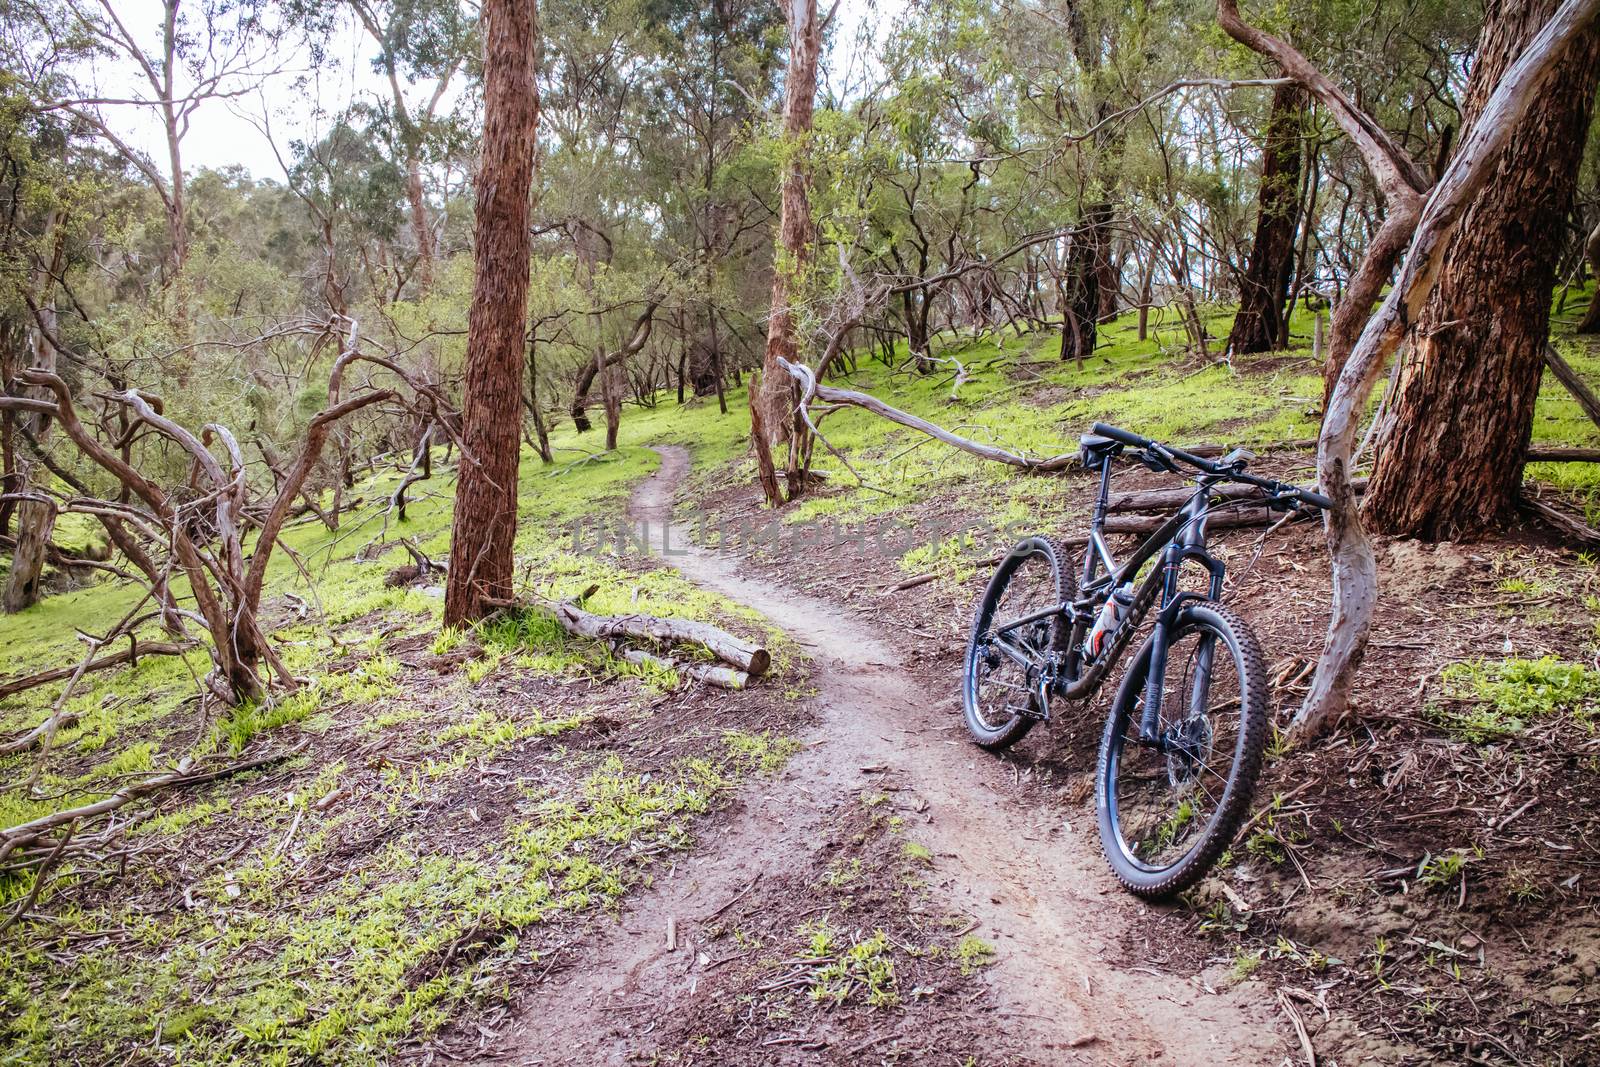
464, 800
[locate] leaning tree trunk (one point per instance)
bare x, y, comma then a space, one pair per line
780, 394
486, 500
1264, 286
1463, 407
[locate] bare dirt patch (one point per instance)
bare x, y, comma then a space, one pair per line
1411, 891
1026, 877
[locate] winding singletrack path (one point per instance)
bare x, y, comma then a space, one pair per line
1037, 886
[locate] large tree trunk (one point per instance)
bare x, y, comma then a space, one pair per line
1463, 407
1264, 286
486, 501
780, 392
1081, 297
36, 519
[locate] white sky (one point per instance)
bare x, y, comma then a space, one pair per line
225, 132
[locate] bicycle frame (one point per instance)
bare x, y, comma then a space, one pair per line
1178, 540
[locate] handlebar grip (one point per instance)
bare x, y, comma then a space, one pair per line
1127, 437
1315, 499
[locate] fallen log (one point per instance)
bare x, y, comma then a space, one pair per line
1159, 499
130, 654
1147, 524
709, 673
1563, 455
750, 658
1569, 526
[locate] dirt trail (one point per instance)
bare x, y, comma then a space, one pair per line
1037, 885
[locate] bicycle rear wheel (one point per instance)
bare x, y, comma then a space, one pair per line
1167, 813
998, 695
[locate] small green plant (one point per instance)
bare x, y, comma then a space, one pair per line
865, 968
1438, 872
841, 873
973, 952
481, 668
819, 937
1497, 699
917, 853
1170, 828
247, 720
1278, 833
1219, 919
1244, 964
1521, 887
766, 752
448, 639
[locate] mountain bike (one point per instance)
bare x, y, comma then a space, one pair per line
1185, 734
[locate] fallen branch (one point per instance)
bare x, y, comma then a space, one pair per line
871, 403
39, 878
131, 654
1162, 499
1146, 524
749, 658
710, 674
1575, 385
1563, 455
1568, 526
15, 837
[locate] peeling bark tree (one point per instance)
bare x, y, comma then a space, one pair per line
1355, 583
1463, 408
1264, 287
780, 396
485, 520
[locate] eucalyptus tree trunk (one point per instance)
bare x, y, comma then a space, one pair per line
780, 392
485, 522
1080, 296
36, 519
1264, 286
1463, 407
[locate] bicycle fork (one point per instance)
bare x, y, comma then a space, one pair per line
1172, 603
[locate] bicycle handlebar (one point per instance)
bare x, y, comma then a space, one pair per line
1128, 437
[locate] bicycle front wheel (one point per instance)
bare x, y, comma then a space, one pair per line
1168, 811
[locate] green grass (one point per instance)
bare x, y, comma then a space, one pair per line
267, 970
379, 956
1492, 700
384, 950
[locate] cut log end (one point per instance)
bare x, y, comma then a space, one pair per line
760, 662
